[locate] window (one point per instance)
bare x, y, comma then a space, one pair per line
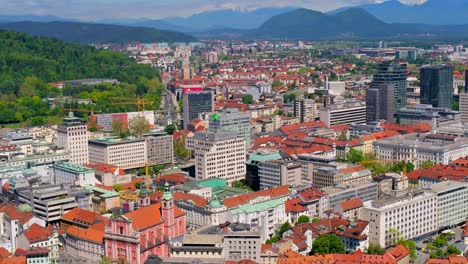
121, 230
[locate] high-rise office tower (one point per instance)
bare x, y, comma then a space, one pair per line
232, 120
466, 81
437, 85
387, 93
73, 136
196, 103
305, 110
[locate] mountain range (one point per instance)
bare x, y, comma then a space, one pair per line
352, 23
86, 33
433, 12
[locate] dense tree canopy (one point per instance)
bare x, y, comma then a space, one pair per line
328, 244
28, 64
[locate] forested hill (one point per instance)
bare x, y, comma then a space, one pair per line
29, 63
52, 60
86, 33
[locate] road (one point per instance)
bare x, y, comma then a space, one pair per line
169, 104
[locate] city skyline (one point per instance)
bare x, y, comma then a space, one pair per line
125, 9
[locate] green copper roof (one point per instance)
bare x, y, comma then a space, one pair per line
213, 182
167, 193
258, 207
261, 156
214, 202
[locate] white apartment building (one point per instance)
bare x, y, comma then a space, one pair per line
452, 199
347, 113
69, 173
409, 214
275, 173
417, 148
125, 153
218, 154
73, 136
305, 110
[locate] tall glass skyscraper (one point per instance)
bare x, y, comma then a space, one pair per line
437, 85
387, 93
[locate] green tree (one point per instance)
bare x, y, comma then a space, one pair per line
354, 156
289, 97
179, 149
427, 164
284, 227
303, 219
375, 249
315, 220
411, 246
276, 84
38, 121
241, 185
438, 253
328, 244
170, 129
138, 125
247, 99
137, 185
106, 260
118, 128
440, 241
118, 187
452, 249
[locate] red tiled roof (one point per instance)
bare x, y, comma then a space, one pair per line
36, 233
6, 186
353, 169
176, 179
108, 188
83, 216
106, 168
351, 204
140, 218
94, 233
197, 200
131, 185
311, 195
13, 260
245, 198
302, 126
32, 251
12, 213
440, 172
399, 252
294, 206
4, 253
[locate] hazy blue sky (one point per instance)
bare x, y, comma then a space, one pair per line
93, 9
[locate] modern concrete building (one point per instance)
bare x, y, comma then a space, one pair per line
73, 136
388, 91
437, 85
427, 114
417, 148
253, 163
160, 148
73, 174
452, 203
125, 153
275, 173
220, 243
196, 103
305, 110
50, 202
232, 120
336, 173
340, 193
409, 214
346, 113
218, 154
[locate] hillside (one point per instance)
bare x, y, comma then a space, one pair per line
350, 23
449, 12
86, 33
309, 24
28, 63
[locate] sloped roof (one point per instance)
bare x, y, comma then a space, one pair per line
12, 212
149, 216
36, 233
83, 216
94, 233
351, 204
245, 198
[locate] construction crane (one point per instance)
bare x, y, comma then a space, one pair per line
139, 102
148, 180
385, 161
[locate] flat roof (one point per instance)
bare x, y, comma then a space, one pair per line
114, 140
447, 185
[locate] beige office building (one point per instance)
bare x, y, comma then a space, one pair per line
125, 153
218, 154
